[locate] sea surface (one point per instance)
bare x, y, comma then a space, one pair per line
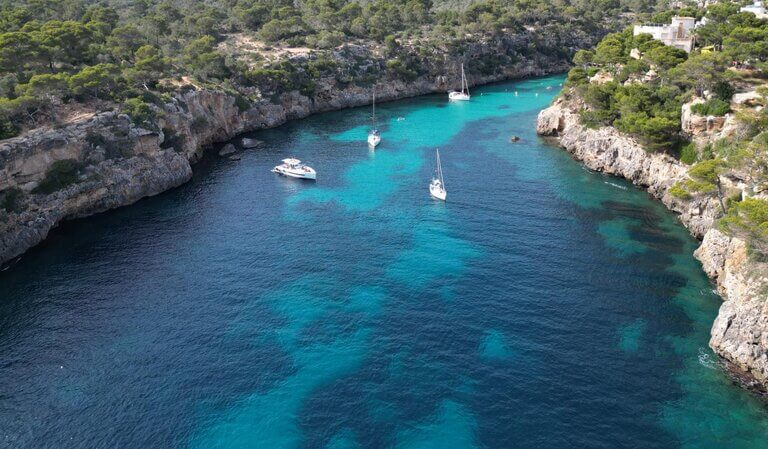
541, 306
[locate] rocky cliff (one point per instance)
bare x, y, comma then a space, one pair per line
106, 161
740, 332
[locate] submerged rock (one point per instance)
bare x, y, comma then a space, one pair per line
250, 143
227, 150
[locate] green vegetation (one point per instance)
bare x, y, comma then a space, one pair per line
11, 200
678, 191
645, 108
713, 106
108, 53
688, 154
640, 86
61, 174
140, 112
749, 219
651, 113
703, 178
643, 97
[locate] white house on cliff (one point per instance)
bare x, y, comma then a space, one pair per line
757, 9
678, 34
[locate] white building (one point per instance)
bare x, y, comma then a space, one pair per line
757, 9
677, 34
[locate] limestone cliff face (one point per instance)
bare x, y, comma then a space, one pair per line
121, 162
609, 151
740, 332
706, 129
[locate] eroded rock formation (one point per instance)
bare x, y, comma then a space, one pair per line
740, 331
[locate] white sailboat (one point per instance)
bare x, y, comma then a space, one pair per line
464, 94
437, 186
374, 137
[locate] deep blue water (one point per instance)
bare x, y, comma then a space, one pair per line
542, 306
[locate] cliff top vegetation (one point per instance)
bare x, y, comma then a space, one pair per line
639, 86
62, 59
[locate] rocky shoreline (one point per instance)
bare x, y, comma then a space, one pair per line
121, 162
740, 331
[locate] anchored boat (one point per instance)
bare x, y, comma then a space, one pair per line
437, 186
293, 168
374, 138
463, 95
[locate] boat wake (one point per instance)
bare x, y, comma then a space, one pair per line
706, 360
615, 185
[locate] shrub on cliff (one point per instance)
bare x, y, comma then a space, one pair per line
397, 68
723, 90
283, 76
51, 87
577, 76
749, 218
11, 199
7, 129
61, 174
703, 178
706, 173
688, 154
18, 111
713, 106
140, 112
326, 39
679, 191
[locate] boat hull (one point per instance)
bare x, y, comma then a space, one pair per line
458, 96
373, 141
311, 175
437, 193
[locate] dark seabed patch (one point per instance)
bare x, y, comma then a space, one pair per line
541, 306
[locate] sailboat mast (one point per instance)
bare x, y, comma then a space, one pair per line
440, 169
464, 84
373, 105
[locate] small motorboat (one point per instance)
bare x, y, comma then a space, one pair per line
293, 168
437, 186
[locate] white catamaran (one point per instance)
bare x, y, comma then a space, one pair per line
464, 94
374, 138
437, 186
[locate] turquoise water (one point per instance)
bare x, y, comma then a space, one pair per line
541, 306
